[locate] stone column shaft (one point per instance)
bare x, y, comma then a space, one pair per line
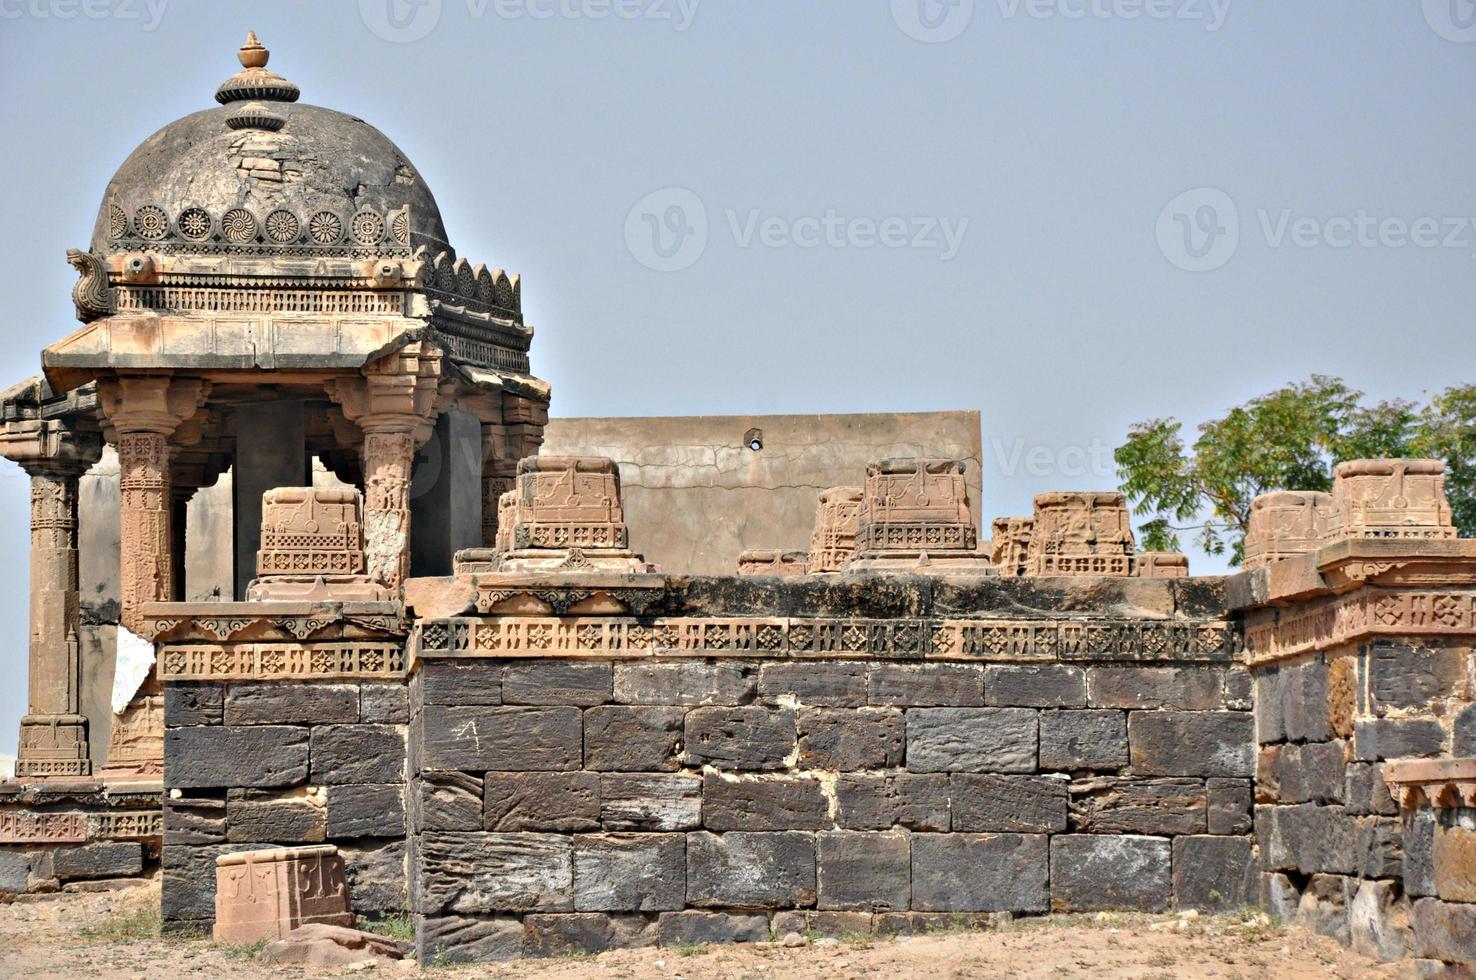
147, 519
389, 458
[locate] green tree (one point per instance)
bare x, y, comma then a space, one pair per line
1289, 439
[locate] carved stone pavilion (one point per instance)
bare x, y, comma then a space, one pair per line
477, 700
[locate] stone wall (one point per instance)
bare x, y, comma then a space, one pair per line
711, 772
253, 764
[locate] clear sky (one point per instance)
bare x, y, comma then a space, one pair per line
1068, 214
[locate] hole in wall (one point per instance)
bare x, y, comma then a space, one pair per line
754, 439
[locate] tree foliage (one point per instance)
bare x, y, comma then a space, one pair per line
1288, 439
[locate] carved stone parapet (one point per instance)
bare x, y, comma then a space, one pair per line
1390, 499
783, 564
1284, 524
837, 518
1160, 564
1080, 533
1010, 545
312, 547
915, 518
563, 515
266, 894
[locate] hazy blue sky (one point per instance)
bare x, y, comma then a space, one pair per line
908, 204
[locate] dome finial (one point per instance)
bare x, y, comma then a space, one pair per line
253, 82
252, 54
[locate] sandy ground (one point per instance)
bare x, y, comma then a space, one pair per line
115, 934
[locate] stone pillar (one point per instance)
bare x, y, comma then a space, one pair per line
271, 451
53, 734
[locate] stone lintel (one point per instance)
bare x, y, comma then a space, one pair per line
1436, 782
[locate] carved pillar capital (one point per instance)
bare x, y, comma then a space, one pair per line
150, 403
50, 446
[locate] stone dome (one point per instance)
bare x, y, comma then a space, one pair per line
262, 174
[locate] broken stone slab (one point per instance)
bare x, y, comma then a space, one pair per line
319, 944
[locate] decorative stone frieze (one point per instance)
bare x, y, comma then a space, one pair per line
1010, 547
248, 661
837, 518
1160, 564
773, 562
23, 827
1085, 533
1438, 783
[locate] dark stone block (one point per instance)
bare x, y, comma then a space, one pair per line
1463, 739
1175, 688
291, 703
257, 818
1310, 773
485, 873
194, 820
927, 685
483, 738
739, 738
1193, 743
881, 802
822, 925
1419, 852
638, 739
864, 872
687, 684
1270, 720
376, 875
632, 801
763, 803
448, 682
188, 889
1444, 930
980, 873
847, 739
192, 703
835, 684
584, 933
455, 940
1376, 739
101, 859
1127, 805
1072, 740
357, 754
675, 929
449, 801
889, 924
229, 755
1401, 676
630, 872
15, 872
1364, 790
1213, 873
746, 870
1091, 872
990, 803
1308, 838
557, 682
1229, 805
1377, 848
1304, 704
563, 801
1035, 686
1239, 693
384, 703
1324, 906
971, 739
366, 810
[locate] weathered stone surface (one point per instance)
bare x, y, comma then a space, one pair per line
15, 872
1100, 871
1401, 676
1364, 789
1129, 805
1193, 743
739, 738
1093, 739
449, 801
1419, 852
1307, 838
763, 803
1270, 721
193, 704
230, 755
484, 738
557, 682
835, 684
864, 872
484, 873
1444, 930
750, 870
455, 939
194, 820
188, 889
1212, 873
1324, 906
287, 819
676, 929
1375, 739
1238, 690
1311, 773
1304, 702
366, 810
632, 739
980, 872
927, 685
384, 703
922, 923
1175, 688
584, 933
1454, 856
1229, 805
452, 683
881, 802
847, 740
356, 753
1376, 848
563, 801
630, 872
684, 684
971, 739
1035, 686
376, 873
650, 802
1463, 733
291, 703
821, 925
1374, 924
992, 803
100, 859
319, 945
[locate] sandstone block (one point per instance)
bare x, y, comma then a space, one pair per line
881, 802
630, 872
751, 870
357, 754
992, 803
584, 933
557, 682
231, 755
384, 704
834, 684
971, 739
266, 894
739, 738
1176, 688
632, 739
562, 801
927, 685
1212, 873
366, 810
1310, 773
1373, 922
455, 940
763, 803
696, 928
449, 801
1454, 857
1132, 805
279, 703
1364, 789
687, 684
476, 738
980, 872
1270, 721
1444, 930
850, 739
451, 683
15, 872
188, 703
1229, 802
631, 801
1463, 733
1304, 702
1035, 686
1098, 871
1401, 676
1375, 739
480, 873
1194, 743
864, 872
1092, 739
